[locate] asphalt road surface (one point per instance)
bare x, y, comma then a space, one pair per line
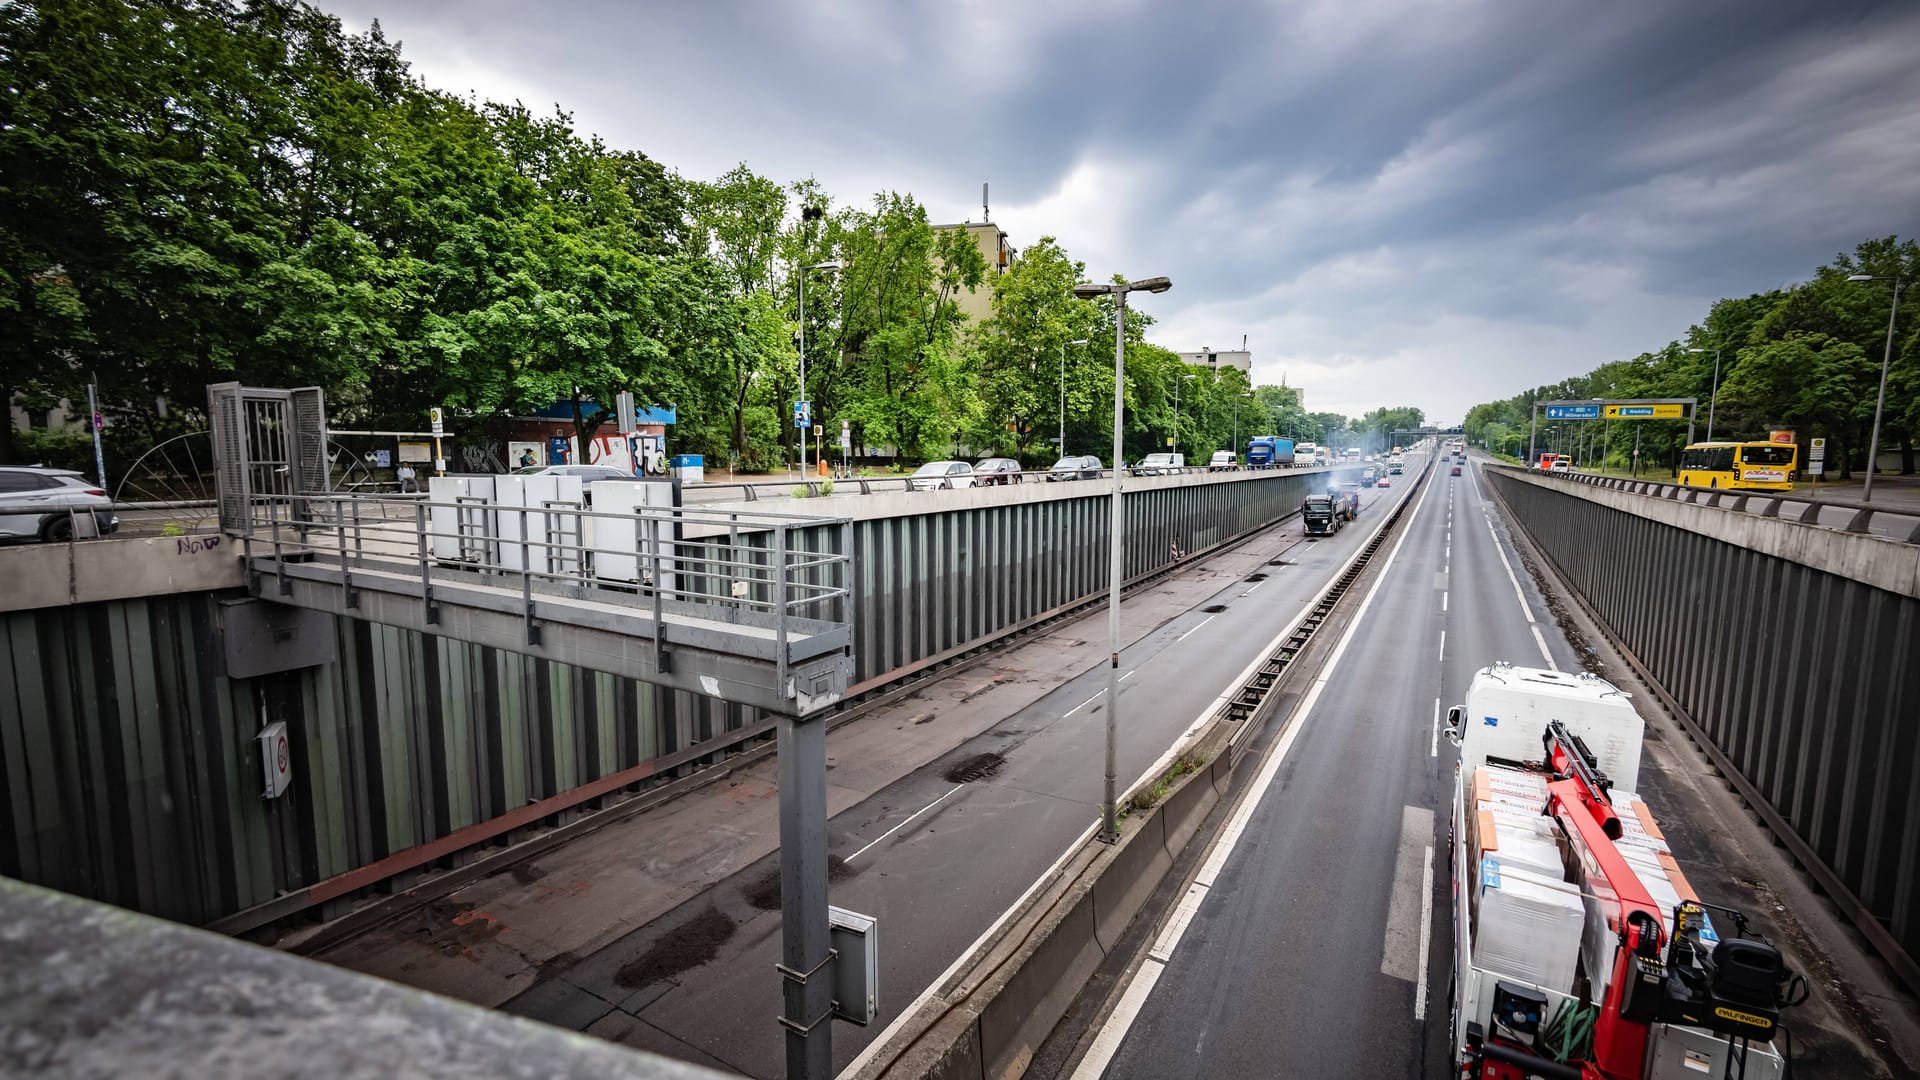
1306, 955
939, 855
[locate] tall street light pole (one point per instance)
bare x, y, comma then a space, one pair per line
1873, 444
806, 433
1237, 399
1176, 412
1714, 400
1109, 810
1063, 393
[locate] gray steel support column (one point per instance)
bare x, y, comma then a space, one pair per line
1880, 403
1533, 424
807, 981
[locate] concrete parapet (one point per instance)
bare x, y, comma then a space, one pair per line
86, 571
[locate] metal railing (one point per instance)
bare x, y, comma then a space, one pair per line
729, 566
63, 523
1896, 524
816, 487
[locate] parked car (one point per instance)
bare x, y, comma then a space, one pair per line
1160, 465
48, 494
938, 475
1223, 461
1075, 467
997, 470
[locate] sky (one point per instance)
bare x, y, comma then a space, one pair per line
1395, 202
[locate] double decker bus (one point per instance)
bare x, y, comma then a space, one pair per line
1765, 466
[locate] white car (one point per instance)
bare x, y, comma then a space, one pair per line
938, 475
44, 496
1160, 465
1223, 461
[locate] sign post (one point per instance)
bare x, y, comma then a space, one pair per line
1816, 458
846, 444
439, 429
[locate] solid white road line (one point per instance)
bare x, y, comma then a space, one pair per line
1542, 642
1400, 945
1443, 647
903, 822
1426, 937
1195, 630
1133, 999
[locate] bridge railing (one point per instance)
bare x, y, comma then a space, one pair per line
1859, 517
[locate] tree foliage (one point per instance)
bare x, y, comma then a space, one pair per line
1807, 358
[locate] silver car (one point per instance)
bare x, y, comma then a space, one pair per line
941, 475
36, 504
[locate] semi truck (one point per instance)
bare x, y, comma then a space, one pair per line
1305, 455
1321, 515
1580, 949
1269, 451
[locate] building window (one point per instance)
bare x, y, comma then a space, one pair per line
39, 418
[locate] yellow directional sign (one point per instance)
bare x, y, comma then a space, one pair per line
1646, 412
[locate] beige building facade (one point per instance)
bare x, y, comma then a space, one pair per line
992, 242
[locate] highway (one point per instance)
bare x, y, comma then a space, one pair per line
1321, 919
941, 853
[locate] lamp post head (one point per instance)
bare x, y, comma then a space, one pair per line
830, 264
1861, 277
1184, 378
1088, 292
1078, 341
1152, 285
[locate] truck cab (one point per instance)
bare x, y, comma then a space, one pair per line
1320, 515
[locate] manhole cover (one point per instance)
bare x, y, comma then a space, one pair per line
1256, 577
977, 767
1214, 609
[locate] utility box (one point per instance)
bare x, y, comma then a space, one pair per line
276, 760
689, 468
856, 965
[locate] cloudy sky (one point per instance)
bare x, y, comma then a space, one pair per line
1423, 202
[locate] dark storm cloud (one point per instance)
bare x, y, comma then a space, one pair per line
1366, 189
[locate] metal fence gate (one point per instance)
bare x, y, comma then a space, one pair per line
269, 448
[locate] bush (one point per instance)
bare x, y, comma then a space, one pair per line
56, 448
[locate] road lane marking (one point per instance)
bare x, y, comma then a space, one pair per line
1129, 675
1256, 585
1426, 937
904, 821
1551, 666
1195, 630
1114, 1031
1400, 945
1433, 741
1443, 647
1443, 601
1084, 704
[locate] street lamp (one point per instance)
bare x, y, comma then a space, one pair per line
1873, 445
1176, 411
1237, 399
1063, 392
1109, 810
830, 264
1714, 400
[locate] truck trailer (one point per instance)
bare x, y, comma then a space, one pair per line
1580, 949
1269, 451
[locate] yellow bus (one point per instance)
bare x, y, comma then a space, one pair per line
1767, 466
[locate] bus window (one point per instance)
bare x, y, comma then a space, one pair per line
1767, 455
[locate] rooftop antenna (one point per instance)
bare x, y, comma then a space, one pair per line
984, 214
1243, 343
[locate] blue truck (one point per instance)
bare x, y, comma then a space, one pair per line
1269, 451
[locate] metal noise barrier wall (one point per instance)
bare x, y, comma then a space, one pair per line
1804, 681
129, 770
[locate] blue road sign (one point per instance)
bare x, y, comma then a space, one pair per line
1573, 412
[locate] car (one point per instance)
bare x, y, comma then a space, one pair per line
1456, 470
1160, 465
1223, 461
46, 496
1075, 467
941, 475
1383, 482
997, 470
1561, 465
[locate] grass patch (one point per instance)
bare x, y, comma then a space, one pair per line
1163, 785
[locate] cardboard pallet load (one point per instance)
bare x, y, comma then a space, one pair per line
1529, 925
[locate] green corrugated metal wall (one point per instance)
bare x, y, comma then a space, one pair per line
131, 773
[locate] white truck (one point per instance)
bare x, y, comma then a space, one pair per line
1306, 455
1580, 950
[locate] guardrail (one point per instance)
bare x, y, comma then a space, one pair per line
756, 490
62, 523
1860, 517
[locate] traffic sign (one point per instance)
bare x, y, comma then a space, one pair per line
1646, 412
1573, 412
846, 436
439, 428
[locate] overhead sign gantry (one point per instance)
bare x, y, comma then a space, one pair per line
1613, 409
